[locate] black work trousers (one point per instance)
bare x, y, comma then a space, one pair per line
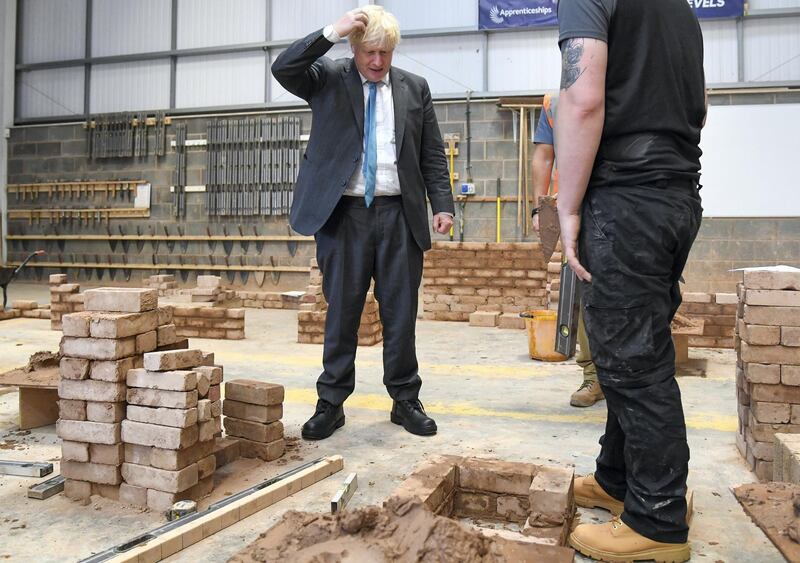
635, 241
356, 245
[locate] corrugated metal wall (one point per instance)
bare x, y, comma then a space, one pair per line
54, 30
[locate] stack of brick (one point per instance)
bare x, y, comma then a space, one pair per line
165, 284
718, 313
461, 278
27, 309
253, 410
209, 322
270, 299
65, 298
99, 346
768, 364
209, 290
314, 311
554, 277
169, 432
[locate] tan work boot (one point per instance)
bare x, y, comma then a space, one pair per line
587, 394
589, 494
616, 541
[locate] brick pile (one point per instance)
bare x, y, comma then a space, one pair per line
253, 410
461, 278
209, 290
200, 321
169, 431
99, 346
768, 364
65, 298
27, 309
314, 311
270, 299
718, 313
164, 283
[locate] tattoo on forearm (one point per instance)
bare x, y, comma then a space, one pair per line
571, 55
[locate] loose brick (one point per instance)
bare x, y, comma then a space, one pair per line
203, 410
71, 409
77, 490
496, 476
57, 279
74, 451
203, 383
160, 479
134, 496
114, 370
771, 279
254, 392
99, 348
74, 368
76, 324
206, 466
107, 454
790, 335
165, 315
146, 342
164, 437
91, 472
267, 452
254, 413
484, 318
226, 450
208, 360
178, 418
105, 412
161, 501
763, 373
207, 430
120, 299
761, 335
214, 393
158, 398
122, 325
511, 321
172, 360
254, 431
550, 496
92, 432
694, 297
89, 390
164, 380
166, 334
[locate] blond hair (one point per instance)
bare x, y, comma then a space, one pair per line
382, 29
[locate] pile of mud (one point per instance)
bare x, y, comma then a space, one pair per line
401, 531
42, 360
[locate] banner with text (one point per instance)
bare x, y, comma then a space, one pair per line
502, 14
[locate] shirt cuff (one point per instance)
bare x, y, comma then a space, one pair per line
447, 213
330, 34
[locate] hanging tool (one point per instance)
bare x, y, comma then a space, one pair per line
184, 241
212, 244
112, 242
125, 242
260, 277
243, 274
154, 240
244, 243
126, 271
139, 240
274, 273
291, 245
227, 245
98, 270
259, 243
231, 274
170, 241
184, 273
112, 272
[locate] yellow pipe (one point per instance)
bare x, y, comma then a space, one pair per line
452, 156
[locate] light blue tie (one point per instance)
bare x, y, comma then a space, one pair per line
370, 165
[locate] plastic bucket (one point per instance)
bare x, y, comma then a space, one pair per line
542, 335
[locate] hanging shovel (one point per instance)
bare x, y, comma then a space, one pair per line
243, 274
80, 271
126, 271
139, 240
260, 276
62, 269
259, 243
184, 242
274, 274
212, 244
112, 272
60, 242
291, 244
170, 242
227, 245
112, 243
184, 272
126, 244
98, 270
26, 245
89, 272
154, 240
245, 244
231, 274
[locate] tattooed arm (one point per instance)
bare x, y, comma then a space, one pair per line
581, 111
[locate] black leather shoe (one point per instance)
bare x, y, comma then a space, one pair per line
411, 415
325, 421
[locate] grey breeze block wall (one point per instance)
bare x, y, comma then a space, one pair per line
59, 152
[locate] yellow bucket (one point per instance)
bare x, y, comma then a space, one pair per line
541, 326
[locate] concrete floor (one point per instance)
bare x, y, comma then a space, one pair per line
488, 397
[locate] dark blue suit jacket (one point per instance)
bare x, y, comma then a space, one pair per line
334, 91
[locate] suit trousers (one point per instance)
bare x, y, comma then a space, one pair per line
635, 241
356, 245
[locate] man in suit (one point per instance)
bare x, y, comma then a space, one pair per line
374, 153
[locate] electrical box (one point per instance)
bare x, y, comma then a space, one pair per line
467, 189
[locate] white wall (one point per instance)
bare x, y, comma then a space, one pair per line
8, 16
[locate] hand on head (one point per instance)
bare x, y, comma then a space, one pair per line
354, 20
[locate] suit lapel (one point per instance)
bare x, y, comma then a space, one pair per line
355, 89
399, 97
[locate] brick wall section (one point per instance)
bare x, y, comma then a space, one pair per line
202, 321
164, 283
314, 311
461, 278
270, 299
767, 343
65, 298
718, 313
